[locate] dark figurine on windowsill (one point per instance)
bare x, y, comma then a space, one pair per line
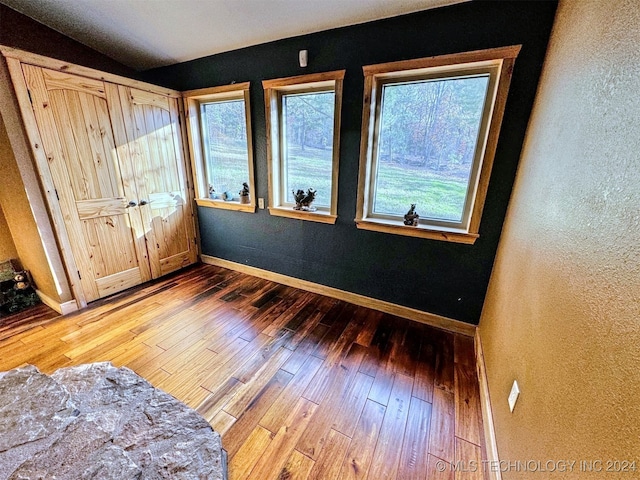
244, 193
304, 200
411, 218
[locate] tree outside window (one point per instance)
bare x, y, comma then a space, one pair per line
429, 137
303, 135
219, 131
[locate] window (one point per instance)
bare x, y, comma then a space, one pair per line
303, 132
430, 129
220, 140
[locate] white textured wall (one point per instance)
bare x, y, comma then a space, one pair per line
562, 315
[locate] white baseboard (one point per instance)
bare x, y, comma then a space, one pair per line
63, 308
487, 414
68, 307
431, 319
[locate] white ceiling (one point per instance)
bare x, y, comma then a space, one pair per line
150, 33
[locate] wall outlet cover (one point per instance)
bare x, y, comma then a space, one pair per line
513, 395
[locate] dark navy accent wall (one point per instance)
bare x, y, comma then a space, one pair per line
438, 277
19, 31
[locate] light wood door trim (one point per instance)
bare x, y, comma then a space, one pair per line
182, 153
191, 187
35, 142
66, 81
62, 66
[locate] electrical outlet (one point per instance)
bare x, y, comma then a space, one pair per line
513, 396
261, 202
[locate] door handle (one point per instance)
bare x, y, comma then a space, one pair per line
131, 204
143, 202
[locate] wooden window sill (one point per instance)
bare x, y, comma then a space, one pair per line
421, 231
317, 216
221, 204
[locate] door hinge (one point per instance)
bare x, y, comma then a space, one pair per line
79, 276
57, 196
30, 99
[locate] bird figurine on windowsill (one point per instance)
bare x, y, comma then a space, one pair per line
411, 218
304, 200
244, 193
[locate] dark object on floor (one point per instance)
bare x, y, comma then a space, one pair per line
99, 421
8, 269
13, 300
16, 288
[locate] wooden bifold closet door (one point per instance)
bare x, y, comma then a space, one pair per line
115, 158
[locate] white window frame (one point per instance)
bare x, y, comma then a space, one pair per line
193, 100
498, 64
274, 90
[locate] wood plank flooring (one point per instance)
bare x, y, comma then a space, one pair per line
11, 324
300, 386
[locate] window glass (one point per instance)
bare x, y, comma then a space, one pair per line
219, 133
428, 134
429, 137
225, 145
303, 138
308, 144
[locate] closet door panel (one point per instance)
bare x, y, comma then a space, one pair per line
73, 120
126, 154
153, 132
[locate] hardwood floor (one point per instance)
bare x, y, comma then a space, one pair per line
300, 386
14, 323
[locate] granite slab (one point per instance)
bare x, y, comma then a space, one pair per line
97, 421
